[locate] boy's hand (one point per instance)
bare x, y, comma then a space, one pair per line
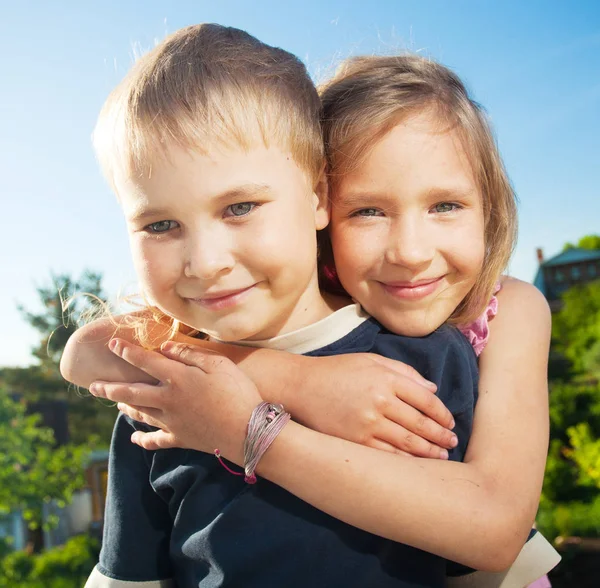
374, 401
203, 401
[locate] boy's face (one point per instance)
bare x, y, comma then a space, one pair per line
226, 242
407, 228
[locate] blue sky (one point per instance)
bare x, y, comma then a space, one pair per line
534, 65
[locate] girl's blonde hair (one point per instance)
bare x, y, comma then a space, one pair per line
369, 96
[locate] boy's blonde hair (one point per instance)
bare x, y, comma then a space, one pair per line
369, 96
209, 86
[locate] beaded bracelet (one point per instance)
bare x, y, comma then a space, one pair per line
265, 424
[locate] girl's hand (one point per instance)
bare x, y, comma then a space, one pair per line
374, 401
363, 398
203, 401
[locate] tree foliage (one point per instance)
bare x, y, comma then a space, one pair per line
67, 566
570, 503
65, 303
576, 328
587, 242
33, 470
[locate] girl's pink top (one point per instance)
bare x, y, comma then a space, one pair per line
542, 582
478, 332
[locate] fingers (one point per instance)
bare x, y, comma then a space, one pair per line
405, 370
154, 440
424, 402
417, 422
143, 414
151, 362
409, 442
191, 355
385, 446
145, 395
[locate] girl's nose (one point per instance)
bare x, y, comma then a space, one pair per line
410, 245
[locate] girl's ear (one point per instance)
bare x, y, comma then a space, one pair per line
321, 201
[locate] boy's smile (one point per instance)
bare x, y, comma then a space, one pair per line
226, 241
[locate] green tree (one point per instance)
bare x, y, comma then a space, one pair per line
65, 304
66, 566
33, 470
587, 242
576, 328
570, 503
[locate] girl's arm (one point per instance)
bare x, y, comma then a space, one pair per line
478, 513
364, 398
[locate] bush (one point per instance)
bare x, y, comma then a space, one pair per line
66, 566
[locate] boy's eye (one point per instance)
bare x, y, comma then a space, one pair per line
240, 209
161, 226
368, 212
443, 207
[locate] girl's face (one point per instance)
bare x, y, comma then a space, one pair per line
226, 242
407, 227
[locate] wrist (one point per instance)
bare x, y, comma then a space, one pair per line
301, 368
265, 424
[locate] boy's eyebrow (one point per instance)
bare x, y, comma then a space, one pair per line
250, 190
141, 213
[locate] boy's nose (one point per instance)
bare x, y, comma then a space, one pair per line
207, 258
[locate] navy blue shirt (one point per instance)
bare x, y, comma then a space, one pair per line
178, 514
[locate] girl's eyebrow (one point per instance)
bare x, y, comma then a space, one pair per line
357, 198
457, 193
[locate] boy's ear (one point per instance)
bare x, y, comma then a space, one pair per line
321, 200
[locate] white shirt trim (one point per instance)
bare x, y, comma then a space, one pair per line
98, 580
320, 334
536, 558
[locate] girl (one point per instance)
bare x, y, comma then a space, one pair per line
409, 178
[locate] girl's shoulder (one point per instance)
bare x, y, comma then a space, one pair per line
516, 298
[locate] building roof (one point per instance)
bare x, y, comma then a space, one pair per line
573, 255
568, 257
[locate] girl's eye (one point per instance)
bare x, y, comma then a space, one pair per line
161, 227
445, 207
368, 212
240, 209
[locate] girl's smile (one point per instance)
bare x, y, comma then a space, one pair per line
413, 290
407, 227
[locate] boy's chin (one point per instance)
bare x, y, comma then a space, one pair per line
234, 334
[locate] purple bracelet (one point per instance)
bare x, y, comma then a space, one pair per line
265, 424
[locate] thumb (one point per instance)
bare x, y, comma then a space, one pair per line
194, 356
155, 440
